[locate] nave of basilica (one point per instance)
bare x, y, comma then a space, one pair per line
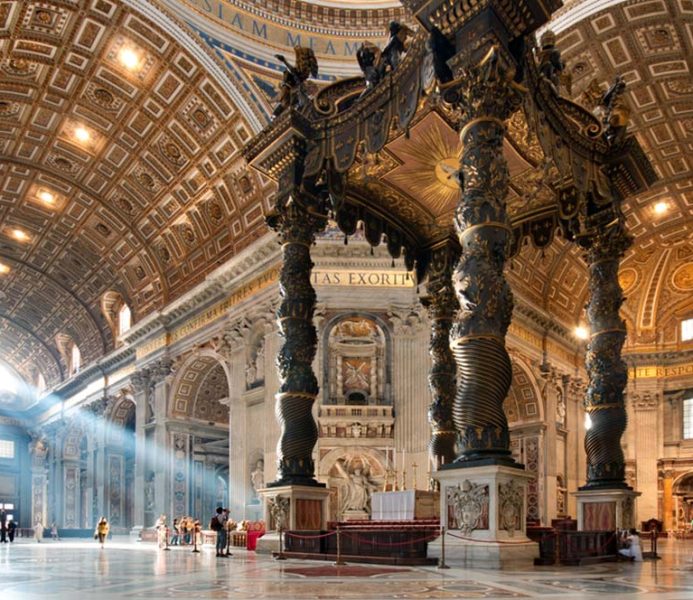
297, 257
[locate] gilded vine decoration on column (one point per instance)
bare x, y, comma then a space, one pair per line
487, 95
297, 227
605, 245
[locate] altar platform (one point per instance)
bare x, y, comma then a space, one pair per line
379, 542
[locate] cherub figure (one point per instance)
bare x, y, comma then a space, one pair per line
292, 91
616, 112
375, 63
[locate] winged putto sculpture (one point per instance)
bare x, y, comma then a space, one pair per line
375, 63
292, 90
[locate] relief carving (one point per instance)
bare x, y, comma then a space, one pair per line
469, 505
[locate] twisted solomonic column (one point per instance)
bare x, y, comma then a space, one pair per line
607, 372
441, 304
487, 96
299, 386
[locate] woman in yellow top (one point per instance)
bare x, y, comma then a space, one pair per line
101, 532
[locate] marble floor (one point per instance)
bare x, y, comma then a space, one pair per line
125, 569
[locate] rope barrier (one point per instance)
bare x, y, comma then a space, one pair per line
468, 539
310, 537
391, 544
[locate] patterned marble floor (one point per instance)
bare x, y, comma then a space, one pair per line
79, 569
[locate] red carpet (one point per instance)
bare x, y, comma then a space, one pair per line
346, 571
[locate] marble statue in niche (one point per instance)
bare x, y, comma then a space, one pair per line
255, 367
257, 478
355, 477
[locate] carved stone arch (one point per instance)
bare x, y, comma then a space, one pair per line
120, 412
383, 327
200, 381
524, 403
112, 302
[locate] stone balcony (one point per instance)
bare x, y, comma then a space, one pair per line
348, 421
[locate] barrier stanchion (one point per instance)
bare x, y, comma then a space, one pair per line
281, 556
195, 548
339, 562
441, 561
228, 543
166, 534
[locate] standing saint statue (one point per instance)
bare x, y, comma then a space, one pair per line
257, 477
356, 489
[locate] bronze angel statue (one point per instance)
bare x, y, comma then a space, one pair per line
375, 63
292, 90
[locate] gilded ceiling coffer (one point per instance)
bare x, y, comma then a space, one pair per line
476, 58
605, 241
441, 304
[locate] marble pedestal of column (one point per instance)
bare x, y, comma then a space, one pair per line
606, 509
491, 502
308, 506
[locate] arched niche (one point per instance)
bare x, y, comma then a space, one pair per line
120, 463
683, 491
201, 389
199, 402
357, 360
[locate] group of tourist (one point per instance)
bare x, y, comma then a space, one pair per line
7, 528
180, 533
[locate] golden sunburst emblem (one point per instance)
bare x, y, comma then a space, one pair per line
429, 164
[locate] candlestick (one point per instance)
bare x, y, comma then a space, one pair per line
413, 468
404, 479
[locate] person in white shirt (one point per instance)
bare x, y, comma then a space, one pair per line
632, 550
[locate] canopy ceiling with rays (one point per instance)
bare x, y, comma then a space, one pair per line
122, 122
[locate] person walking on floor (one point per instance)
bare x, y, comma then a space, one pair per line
101, 532
54, 532
38, 531
3, 526
218, 524
11, 530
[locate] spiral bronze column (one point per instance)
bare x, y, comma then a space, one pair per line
297, 227
441, 304
488, 96
607, 372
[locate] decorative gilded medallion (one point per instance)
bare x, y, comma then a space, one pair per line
682, 279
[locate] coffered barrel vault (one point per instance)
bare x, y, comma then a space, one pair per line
119, 170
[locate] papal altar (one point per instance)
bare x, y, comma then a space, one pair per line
405, 505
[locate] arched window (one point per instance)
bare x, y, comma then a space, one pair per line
124, 319
76, 360
687, 330
40, 383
